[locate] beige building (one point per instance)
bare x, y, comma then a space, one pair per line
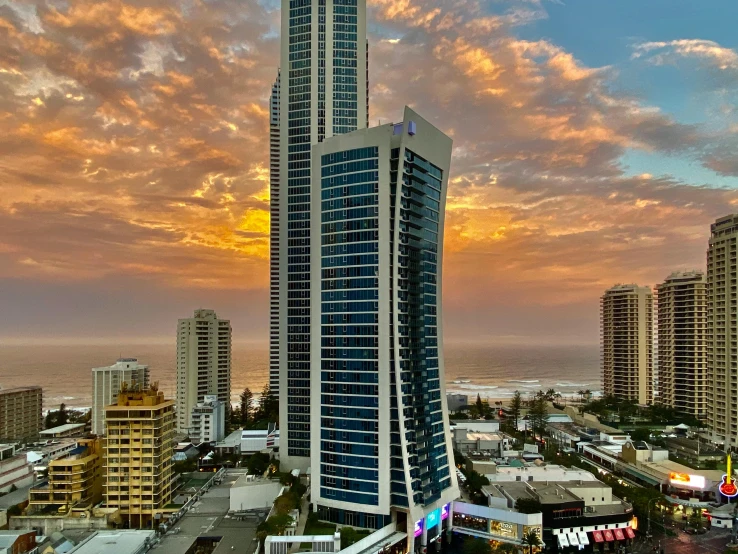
74, 482
138, 455
106, 383
722, 332
682, 341
21, 415
627, 342
203, 363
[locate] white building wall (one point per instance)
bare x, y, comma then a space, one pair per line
106, 383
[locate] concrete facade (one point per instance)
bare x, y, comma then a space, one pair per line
208, 421
203, 363
21, 417
626, 315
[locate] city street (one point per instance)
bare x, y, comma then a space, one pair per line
711, 543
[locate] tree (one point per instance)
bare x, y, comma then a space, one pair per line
580, 392
247, 399
476, 546
640, 434
516, 405
480, 406
62, 418
550, 395
528, 505
268, 405
538, 415
531, 540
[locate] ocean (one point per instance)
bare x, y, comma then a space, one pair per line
492, 371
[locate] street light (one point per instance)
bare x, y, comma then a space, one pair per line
648, 515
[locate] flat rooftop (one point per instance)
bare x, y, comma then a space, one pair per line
209, 518
120, 542
62, 428
473, 436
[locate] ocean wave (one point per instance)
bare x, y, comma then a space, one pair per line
523, 380
573, 385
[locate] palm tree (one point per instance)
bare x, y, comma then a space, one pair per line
580, 392
588, 394
550, 395
531, 540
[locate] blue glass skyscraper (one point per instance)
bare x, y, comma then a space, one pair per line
381, 450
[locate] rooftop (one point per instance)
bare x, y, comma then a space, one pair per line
62, 428
119, 542
483, 437
20, 389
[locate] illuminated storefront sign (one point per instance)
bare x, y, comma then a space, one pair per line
444, 511
503, 529
418, 527
728, 487
433, 518
687, 480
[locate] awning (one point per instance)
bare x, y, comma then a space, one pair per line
583, 538
609, 536
563, 541
573, 539
619, 535
597, 536
629, 531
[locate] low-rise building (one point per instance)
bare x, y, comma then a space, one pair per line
539, 472
70, 430
250, 492
693, 452
498, 525
185, 451
208, 420
74, 481
17, 542
116, 542
456, 402
257, 440
41, 453
491, 444
15, 470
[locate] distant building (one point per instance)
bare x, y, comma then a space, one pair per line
73, 481
17, 542
722, 332
682, 339
15, 470
67, 431
493, 444
106, 384
21, 417
627, 342
694, 453
203, 363
138, 455
456, 402
250, 492
258, 440
208, 420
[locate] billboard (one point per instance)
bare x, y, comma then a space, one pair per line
687, 480
418, 527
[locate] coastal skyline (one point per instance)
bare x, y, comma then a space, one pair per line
137, 185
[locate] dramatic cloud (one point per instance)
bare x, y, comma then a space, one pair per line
134, 141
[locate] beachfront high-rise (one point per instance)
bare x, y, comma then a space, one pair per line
138, 450
682, 352
106, 384
322, 92
626, 315
21, 413
274, 222
722, 332
379, 423
203, 363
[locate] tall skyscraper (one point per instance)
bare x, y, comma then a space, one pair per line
627, 342
203, 363
138, 450
722, 331
379, 423
274, 222
682, 340
106, 383
322, 93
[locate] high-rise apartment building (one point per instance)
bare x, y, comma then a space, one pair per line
138, 450
21, 413
322, 93
682, 342
203, 363
106, 384
722, 332
627, 342
379, 421
274, 222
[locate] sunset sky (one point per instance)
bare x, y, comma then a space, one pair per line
594, 142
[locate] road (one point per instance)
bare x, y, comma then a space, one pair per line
711, 543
